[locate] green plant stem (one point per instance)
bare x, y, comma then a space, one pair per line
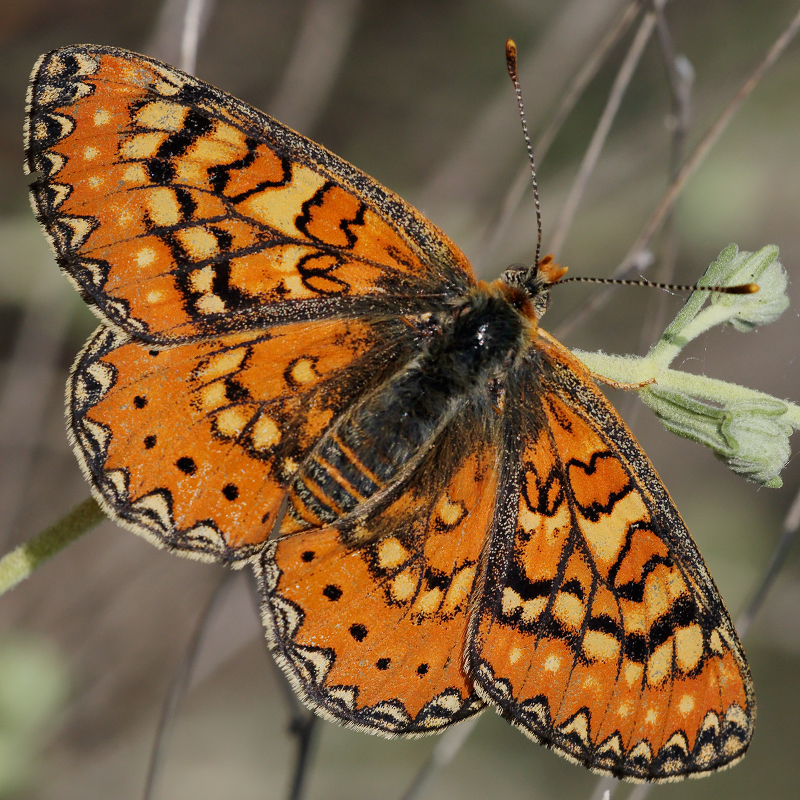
23, 560
630, 369
668, 348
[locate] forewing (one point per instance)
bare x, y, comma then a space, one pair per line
369, 619
600, 632
193, 446
182, 212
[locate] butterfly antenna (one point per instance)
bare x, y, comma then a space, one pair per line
511, 63
743, 288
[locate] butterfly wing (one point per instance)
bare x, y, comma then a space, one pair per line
369, 618
181, 212
253, 283
600, 632
193, 446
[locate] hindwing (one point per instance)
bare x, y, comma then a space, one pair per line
369, 617
599, 631
193, 446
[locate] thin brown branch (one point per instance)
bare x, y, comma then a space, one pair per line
707, 143
621, 83
521, 184
180, 684
638, 253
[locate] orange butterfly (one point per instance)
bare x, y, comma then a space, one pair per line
460, 516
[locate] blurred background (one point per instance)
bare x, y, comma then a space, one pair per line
416, 94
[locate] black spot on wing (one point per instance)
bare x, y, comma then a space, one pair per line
332, 592
186, 465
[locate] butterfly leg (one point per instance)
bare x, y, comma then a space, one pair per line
628, 387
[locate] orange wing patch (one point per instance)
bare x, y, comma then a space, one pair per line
181, 211
599, 634
398, 587
193, 446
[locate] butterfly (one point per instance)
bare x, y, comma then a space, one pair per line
296, 370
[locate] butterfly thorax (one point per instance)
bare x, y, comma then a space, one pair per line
379, 442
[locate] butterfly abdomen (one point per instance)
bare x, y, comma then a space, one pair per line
380, 441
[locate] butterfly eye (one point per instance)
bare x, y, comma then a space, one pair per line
515, 275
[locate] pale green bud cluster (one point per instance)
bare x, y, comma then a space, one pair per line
746, 429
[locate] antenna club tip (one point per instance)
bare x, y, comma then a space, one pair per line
744, 288
511, 56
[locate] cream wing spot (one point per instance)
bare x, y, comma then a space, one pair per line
428, 602
48, 96
600, 646
569, 610
641, 752
141, 146
606, 537
552, 664
169, 87
278, 206
634, 618
190, 172
659, 663
145, 257
213, 396
222, 364
230, 135
213, 150
632, 673
101, 117
86, 64
161, 115
510, 601
202, 280
579, 726
266, 433
162, 204
81, 229
232, 421
459, 591
199, 243
528, 520
531, 609
90, 153
686, 704
450, 513
656, 598
403, 586
391, 553
210, 304
303, 371
612, 745
60, 193
688, 647
134, 173
288, 468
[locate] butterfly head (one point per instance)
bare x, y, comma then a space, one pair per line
528, 287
